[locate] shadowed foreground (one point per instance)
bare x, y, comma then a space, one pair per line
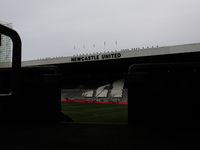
94, 136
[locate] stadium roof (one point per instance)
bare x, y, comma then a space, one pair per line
126, 53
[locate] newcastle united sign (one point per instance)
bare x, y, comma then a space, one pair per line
96, 57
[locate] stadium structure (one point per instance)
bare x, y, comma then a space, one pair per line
163, 91
103, 76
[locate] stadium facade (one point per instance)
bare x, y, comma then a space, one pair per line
102, 76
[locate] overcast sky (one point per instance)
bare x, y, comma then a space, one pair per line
51, 28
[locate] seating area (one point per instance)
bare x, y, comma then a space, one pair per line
117, 88
88, 94
114, 92
102, 91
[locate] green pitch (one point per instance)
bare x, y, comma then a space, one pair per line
96, 113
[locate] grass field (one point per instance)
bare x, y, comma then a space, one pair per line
96, 113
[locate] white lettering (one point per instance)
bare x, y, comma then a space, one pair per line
96, 57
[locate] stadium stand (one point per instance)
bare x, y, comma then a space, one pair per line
88, 94
102, 91
69, 93
125, 95
113, 91
117, 88
72, 93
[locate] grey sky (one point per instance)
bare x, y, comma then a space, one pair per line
51, 28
